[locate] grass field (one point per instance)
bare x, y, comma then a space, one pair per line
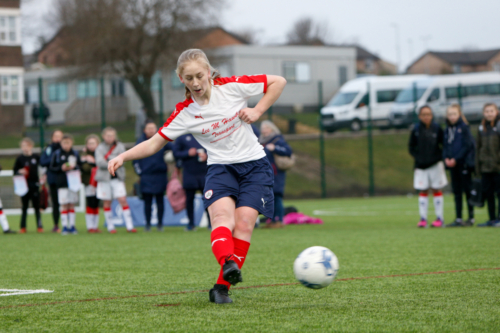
371, 237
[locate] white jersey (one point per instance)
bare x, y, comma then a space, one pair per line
217, 125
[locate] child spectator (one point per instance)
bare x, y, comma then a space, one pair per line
193, 160
457, 150
64, 160
274, 143
426, 141
111, 187
45, 160
488, 160
3, 219
27, 165
88, 179
153, 173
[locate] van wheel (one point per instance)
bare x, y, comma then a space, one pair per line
356, 125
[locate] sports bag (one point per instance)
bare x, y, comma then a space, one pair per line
283, 162
44, 198
476, 198
175, 193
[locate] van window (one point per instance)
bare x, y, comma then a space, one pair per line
387, 96
406, 96
434, 96
452, 92
364, 101
493, 89
475, 90
343, 98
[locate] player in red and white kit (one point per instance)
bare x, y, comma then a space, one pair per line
239, 181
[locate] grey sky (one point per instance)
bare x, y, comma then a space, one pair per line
449, 25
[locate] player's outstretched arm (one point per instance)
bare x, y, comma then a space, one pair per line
142, 150
275, 86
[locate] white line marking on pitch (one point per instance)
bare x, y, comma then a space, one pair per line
344, 213
13, 292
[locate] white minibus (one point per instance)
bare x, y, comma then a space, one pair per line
349, 107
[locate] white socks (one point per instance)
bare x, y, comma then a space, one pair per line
89, 221
423, 205
72, 218
4, 222
127, 216
107, 217
439, 205
96, 219
64, 218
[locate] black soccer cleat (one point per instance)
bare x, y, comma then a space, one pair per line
456, 223
219, 294
9, 232
231, 272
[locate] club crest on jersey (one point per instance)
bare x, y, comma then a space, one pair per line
208, 194
198, 117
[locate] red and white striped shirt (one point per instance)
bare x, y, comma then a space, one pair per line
217, 126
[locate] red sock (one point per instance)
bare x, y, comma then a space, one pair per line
240, 251
222, 244
240, 254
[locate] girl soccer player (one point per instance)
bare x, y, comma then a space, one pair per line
239, 180
426, 141
458, 153
89, 169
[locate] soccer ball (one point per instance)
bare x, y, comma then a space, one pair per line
316, 267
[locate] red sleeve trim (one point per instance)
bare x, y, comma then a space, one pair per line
262, 78
178, 108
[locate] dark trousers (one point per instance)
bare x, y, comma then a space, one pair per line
190, 194
54, 199
278, 207
491, 187
148, 204
92, 202
461, 181
33, 195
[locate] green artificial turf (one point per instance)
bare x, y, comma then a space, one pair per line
371, 237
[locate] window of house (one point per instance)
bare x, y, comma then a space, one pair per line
87, 89
297, 72
175, 81
118, 87
31, 94
9, 30
11, 89
387, 96
496, 66
58, 92
434, 96
155, 81
342, 75
457, 69
368, 65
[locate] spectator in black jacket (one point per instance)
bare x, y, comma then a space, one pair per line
63, 161
426, 141
45, 160
27, 165
193, 160
457, 148
488, 161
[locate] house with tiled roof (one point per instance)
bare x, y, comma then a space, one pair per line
436, 63
11, 67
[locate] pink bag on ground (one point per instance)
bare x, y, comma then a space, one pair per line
175, 193
299, 218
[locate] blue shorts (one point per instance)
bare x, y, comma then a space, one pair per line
250, 184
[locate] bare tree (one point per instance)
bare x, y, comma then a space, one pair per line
130, 38
306, 32
249, 35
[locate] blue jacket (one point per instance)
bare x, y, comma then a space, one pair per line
283, 149
152, 170
458, 143
193, 176
45, 160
